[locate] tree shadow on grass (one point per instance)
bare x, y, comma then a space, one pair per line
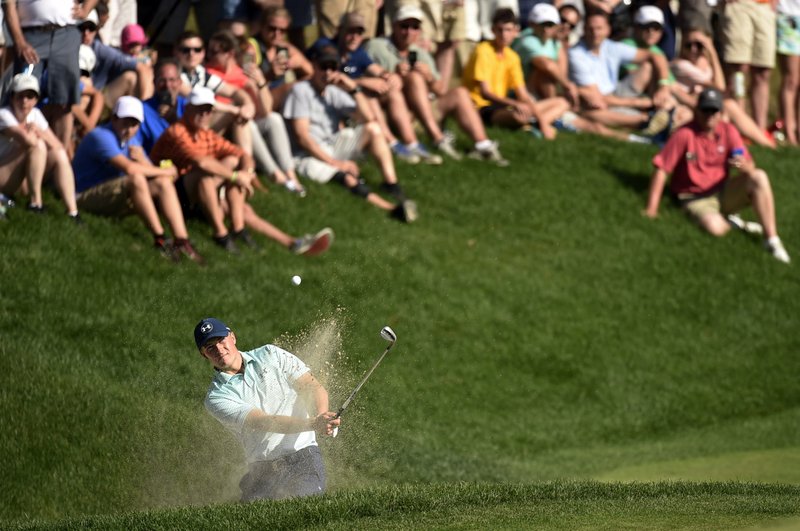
638, 182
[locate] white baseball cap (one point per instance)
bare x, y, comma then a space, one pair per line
91, 17
129, 107
23, 82
649, 15
201, 96
542, 13
408, 11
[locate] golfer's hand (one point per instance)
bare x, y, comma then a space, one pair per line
325, 423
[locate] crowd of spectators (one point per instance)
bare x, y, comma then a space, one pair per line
129, 112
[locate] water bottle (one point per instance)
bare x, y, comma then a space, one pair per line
738, 85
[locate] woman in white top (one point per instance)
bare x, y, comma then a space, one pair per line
29, 150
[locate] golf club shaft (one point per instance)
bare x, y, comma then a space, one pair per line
361, 384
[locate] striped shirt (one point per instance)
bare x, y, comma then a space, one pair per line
184, 147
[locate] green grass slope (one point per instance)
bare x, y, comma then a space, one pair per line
546, 330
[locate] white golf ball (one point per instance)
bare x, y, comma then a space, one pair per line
296, 280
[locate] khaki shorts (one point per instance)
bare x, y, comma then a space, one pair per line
111, 198
749, 30
731, 198
346, 146
443, 21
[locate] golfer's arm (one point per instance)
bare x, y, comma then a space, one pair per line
260, 422
313, 391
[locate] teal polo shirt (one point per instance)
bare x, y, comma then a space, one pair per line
268, 384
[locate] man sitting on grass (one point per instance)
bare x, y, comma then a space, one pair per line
114, 178
325, 152
715, 177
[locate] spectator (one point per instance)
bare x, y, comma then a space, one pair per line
713, 177
330, 14
698, 67
594, 65
383, 89
543, 56
444, 29
115, 73
281, 62
166, 108
121, 13
315, 110
789, 61
416, 67
223, 48
208, 164
749, 32
276, 419
115, 178
496, 84
228, 118
571, 29
30, 151
44, 36
88, 111
133, 42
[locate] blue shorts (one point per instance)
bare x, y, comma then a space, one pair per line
296, 475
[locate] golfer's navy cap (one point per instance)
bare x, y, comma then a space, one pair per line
209, 328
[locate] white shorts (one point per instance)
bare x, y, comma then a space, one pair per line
346, 146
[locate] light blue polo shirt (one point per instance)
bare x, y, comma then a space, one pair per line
268, 382
586, 68
529, 47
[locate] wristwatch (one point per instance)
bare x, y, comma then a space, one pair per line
355, 90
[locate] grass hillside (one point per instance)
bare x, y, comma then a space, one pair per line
546, 331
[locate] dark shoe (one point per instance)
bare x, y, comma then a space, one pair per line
405, 211
36, 209
77, 219
313, 244
244, 237
226, 242
184, 247
165, 248
394, 190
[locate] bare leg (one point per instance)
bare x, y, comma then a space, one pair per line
416, 92
351, 181
376, 143
790, 81
64, 178
380, 118
763, 202
714, 224
124, 85
163, 189
458, 103
445, 60
745, 124
36, 162
143, 202
759, 94
400, 116
12, 171
61, 120
259, 224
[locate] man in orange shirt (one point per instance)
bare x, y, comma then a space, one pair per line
209, 168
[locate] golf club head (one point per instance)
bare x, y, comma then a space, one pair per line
388, 334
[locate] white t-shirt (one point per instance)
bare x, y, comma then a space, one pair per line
42, 12
789, 7
7, 119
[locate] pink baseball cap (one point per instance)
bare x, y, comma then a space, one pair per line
132, 34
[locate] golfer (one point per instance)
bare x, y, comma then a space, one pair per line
263, 396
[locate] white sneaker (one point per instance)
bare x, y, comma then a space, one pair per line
490, 154
777, 250
750, 227
447, 145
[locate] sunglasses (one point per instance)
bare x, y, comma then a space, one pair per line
189, 49
276, 29
26, 95
89, 26
410, 25
693, 45
329, 65
569, 25
651, 27
355, 31
708, 112
548, 25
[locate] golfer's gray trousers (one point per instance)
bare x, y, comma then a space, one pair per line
296, 475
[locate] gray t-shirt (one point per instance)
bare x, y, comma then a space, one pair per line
324, 111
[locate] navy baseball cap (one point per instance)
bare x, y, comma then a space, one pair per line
710, 100
209, 328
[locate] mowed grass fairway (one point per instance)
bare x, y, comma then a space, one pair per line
552, 342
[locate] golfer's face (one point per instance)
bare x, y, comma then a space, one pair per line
222, 353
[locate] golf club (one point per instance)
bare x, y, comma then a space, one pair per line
387, 334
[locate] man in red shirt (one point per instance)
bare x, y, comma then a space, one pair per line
713, 177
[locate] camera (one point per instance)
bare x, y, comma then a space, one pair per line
412, 58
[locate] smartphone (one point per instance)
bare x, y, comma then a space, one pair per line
282, 51
412, 58
164, 97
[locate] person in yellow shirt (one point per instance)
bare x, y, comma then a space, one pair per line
493, 76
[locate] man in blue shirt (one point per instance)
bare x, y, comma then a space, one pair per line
269, 400
114, 177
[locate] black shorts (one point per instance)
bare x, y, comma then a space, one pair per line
487, 111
